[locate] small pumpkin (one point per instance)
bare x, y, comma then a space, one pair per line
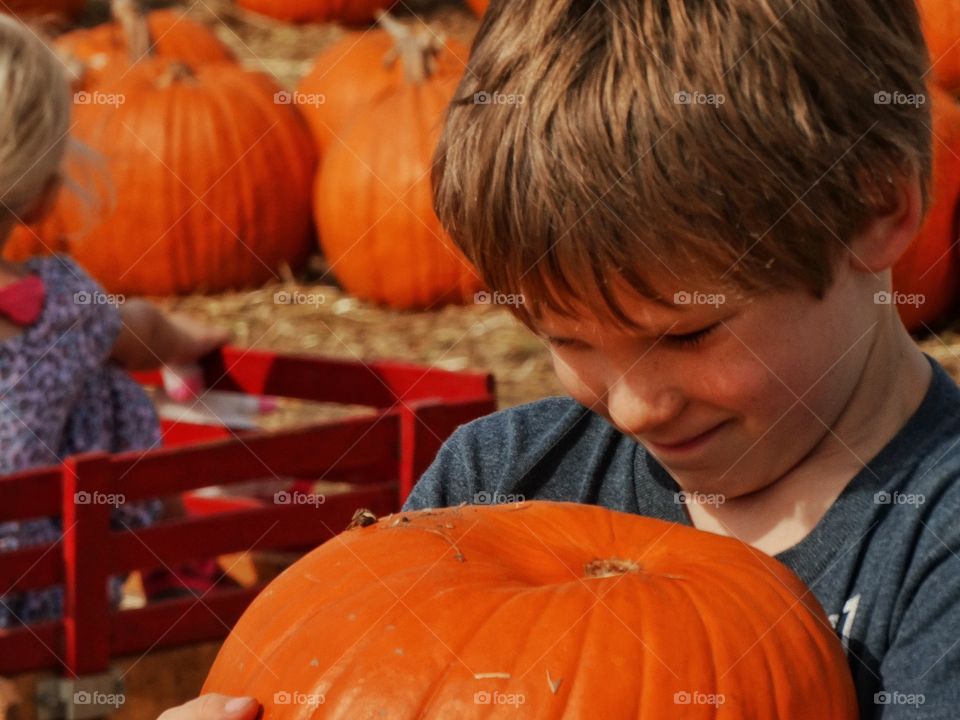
479, 6
929, 269
212, 179
545, 609
348, 11
38, 8
373, 201
940, 20
171, 34
357, 69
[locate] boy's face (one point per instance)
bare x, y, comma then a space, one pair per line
768, 380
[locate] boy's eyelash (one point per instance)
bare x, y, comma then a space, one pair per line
688, 340
691, 339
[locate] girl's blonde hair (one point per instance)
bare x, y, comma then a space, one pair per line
34, 116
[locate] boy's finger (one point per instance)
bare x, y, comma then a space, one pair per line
214, 706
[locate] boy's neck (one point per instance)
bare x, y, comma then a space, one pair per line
890, 390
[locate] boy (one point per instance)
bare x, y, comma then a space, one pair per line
699, 203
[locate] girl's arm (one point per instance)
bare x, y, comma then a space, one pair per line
150, 338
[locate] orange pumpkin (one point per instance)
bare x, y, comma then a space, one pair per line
349, 11
212, 180
479, 6
171, 34
941, 28
930, 266
374, 203
357, 69
37, 8
545, 609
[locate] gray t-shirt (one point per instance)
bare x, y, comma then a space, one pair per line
884, 561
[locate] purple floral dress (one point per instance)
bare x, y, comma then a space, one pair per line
60, 395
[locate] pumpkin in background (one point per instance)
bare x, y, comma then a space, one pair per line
941, 28
545, 609
171, 34
931, 265
479, 6
196, 208
374, 204
357, 69
348, 11
38, 8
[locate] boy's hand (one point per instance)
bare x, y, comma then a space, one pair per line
214, 707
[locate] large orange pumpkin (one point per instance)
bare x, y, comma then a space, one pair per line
37, 8
537, 609
170, 34
349, 11
374, 204
212, 183
357, 69
941, 28
931, 265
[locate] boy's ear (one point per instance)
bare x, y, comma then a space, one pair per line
885, 238
44, 203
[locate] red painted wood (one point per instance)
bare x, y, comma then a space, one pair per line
30, 494
370, 444
179, 622
35, 567
268, 526
28, 650
86, 537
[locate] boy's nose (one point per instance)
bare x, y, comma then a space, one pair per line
636, 406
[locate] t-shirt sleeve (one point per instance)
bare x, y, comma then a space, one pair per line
920, 673
451, 477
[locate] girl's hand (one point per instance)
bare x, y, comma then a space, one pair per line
214, 707
150, 338
193, 339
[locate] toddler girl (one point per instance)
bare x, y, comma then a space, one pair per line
64, 343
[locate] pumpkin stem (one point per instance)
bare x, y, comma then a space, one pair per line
129, 14
417, 50
175, 72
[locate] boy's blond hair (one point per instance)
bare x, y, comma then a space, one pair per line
34, 116
705, 143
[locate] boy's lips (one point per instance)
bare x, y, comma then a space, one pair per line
690, 441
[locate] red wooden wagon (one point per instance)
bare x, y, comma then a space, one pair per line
380, 456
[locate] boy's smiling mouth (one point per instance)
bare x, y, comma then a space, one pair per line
690, 443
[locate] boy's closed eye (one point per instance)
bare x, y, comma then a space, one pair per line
682, 340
